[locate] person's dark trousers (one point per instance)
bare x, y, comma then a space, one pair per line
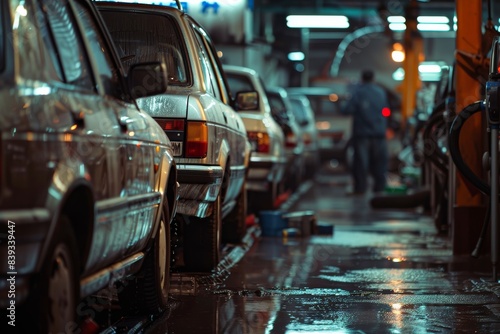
370, 158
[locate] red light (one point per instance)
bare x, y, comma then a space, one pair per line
171, 124
386, 112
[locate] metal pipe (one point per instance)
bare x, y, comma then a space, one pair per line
494, 199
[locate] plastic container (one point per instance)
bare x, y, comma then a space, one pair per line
324, 229
272, 223
304, 221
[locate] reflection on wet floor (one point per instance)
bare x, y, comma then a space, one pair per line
380, 271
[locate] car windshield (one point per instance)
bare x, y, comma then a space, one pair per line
141, 37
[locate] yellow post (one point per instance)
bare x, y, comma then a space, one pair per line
468, 200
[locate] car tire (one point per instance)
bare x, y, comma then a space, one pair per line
51, 306
202, 241
147, 291
234, 225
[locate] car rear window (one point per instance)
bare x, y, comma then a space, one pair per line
141, 37
238, 83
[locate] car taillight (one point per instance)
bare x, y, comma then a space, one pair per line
197, 140
171, 124
290, 140
260, 141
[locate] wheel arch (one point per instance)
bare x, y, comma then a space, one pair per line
78, 206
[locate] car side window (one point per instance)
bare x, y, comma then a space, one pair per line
215, 64
211, 78
107, 68
69, 46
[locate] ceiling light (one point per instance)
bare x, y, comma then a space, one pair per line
296, 56
433, 19
396, 19
433, 27
397, 26
317, 21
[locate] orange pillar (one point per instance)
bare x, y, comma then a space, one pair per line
469, 209
414, 55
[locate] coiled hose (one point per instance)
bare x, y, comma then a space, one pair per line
435, 156
453, 143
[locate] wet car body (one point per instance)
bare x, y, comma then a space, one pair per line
268, 160
282, 111
306, 120
212, 151
87, 179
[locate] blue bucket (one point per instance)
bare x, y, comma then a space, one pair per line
272, 223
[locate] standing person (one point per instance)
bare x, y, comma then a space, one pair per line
368, 134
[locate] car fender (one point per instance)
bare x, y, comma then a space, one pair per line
69, 175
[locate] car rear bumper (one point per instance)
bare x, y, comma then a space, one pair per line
199, 187
265, 170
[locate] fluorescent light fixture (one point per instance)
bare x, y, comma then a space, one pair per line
397, 26
433, 19
429, 68
296, 56
433, 27
317, 21
396, 19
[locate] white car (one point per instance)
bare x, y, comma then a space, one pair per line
268, 160
305, 118
87, 179
212, 151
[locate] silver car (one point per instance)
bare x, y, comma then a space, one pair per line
87, 180
282, 111
305, 118
212, 151
268, 160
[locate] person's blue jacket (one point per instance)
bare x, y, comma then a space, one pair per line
365, 105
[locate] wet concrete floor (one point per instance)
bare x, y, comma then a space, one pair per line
380, 271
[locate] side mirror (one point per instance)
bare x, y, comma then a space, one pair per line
147, 79
246, 101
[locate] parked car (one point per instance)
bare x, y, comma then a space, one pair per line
305, 118
334, 128
282, 112
268, 160
212, 151
87, 180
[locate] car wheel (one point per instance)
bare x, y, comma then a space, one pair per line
148, 291
260, 200
52, 304
202, 240
234, 225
